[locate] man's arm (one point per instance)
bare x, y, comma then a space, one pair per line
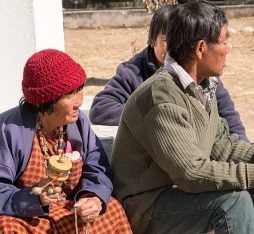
227, 110
228, 147
172, 142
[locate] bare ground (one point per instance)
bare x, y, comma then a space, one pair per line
99, 51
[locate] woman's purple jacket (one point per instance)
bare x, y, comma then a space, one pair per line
108, 104
16, 137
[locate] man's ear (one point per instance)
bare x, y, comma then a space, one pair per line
200, 48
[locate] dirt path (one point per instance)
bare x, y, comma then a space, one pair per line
100, 51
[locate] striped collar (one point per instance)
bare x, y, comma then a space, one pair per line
204, 92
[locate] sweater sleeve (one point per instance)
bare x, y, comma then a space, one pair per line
13, 200
227, 110
228, 146
108, 104
172, 143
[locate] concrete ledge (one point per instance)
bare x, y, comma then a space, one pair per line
86, 105
238, 11
106, 18
131, 17
107, 136
105, 133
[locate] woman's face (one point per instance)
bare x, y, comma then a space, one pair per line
66, 110
160, 49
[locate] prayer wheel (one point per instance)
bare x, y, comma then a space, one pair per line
59, 167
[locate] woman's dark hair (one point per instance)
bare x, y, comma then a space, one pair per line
159, 23
191, 22
47, 107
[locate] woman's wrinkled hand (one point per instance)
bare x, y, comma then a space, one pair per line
46, 199
88, 208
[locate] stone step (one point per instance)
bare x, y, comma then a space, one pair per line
105, 133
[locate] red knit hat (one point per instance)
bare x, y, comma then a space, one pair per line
50, 74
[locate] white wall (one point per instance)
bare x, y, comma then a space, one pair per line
26, 26
48, 24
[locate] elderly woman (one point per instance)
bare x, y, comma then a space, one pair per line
54, 174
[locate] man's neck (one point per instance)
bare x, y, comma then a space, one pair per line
192, 70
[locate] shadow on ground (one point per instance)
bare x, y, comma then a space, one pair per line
96, 81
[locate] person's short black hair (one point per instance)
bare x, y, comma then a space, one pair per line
47, 107
190, 22
159, 23
184, 1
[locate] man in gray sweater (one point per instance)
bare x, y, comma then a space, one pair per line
177, 169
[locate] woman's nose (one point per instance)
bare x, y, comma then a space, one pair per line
78, 98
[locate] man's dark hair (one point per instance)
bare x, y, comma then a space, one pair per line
159, 23
47, 107
190, 22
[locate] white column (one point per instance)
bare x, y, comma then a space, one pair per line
26, 26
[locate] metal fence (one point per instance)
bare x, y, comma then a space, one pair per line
102, 4
123, 4
233, 2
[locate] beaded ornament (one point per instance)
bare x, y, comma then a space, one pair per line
58, 166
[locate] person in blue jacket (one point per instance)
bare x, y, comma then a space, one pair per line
108, 104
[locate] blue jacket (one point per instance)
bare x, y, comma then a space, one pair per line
108, 104
17, 129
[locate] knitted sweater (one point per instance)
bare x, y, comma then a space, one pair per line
166, 138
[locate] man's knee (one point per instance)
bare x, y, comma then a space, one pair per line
238, 200
235, 214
